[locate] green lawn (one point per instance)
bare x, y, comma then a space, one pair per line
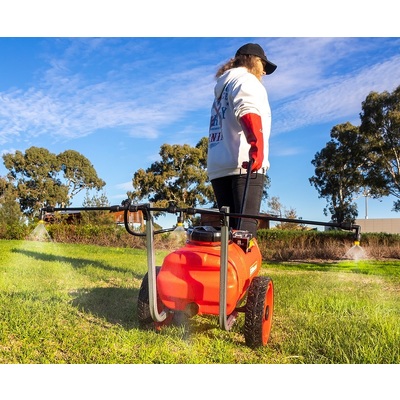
75, 304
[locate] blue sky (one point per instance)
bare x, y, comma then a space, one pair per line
117, 97
117, 100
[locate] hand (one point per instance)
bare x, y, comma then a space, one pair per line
245, 164
257, 156
252, 128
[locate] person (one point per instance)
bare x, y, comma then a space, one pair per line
239, 132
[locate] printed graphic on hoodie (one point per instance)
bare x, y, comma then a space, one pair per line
217, 116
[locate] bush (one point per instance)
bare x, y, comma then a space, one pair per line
13, 231
102, 235
12, 224
275, 245
382, 245
284, 245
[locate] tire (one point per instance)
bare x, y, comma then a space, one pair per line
259, 312
143, 306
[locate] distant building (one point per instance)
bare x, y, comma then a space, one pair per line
379, 225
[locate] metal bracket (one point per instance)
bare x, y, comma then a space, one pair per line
225, 321
151, 267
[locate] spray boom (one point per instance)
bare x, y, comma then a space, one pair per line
347, 226
147, 208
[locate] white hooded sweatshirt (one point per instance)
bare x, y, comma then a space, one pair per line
237, 92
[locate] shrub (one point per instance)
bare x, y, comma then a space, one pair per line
12, 222
102, 235
275, 245
284, 245
13, 231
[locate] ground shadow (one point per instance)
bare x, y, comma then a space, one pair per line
76, 263
116, 305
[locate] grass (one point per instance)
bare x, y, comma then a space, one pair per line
76, 304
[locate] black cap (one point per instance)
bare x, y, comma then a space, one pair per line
253, 49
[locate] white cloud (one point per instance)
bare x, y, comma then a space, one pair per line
72, 104
287, 151
124, 186
7, 151
337, 98
69, 101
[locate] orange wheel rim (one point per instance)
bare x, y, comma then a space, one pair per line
268, 312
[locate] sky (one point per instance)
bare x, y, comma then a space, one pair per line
116, 98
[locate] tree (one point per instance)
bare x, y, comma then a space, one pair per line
11, 219
78, 173
96, 217
278, 209
180, 176
42, 178
380, 128
364, 159
339, 172
4, 186
34, 175
275, 205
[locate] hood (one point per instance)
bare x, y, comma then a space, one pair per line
227, 77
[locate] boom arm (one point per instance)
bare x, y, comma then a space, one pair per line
146, 208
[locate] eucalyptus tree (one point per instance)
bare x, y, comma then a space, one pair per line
35, 177
180, 176
380, 129
360, 160
12, 224
78, 173
339, 172
40, 177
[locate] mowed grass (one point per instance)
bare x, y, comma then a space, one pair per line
76, 304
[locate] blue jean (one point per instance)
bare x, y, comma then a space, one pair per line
229, 192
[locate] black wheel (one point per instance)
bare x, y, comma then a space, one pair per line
143, 306
259, 311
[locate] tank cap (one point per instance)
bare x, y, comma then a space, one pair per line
205, 234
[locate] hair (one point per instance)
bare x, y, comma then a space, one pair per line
246, 60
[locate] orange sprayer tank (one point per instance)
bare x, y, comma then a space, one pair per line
191, 274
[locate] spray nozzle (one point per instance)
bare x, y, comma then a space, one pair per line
179, 220
357, 234
179, 233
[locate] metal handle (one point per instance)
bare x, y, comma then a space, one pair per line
246, 187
